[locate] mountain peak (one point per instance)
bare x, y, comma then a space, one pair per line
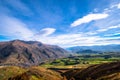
28, 52
17, 40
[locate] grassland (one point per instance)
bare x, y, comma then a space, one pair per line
32, 73
81, 61
10, 71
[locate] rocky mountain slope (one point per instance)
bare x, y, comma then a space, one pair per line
28, 52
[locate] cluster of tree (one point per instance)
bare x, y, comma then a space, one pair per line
68, 62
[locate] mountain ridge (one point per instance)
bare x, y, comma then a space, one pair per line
29, 52
102, 48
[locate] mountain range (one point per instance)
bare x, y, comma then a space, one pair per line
94, 49
28, 52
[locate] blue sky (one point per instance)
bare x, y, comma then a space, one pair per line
65, 23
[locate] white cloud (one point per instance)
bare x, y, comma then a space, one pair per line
108, 28
88, 18
69, 40
102, 23
115, 6
116, 34
91, 33
118, 6
66, 40
96, 10
10, 26
46, 31
112, 34
107, 10
102, 30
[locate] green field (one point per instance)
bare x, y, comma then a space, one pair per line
81, 61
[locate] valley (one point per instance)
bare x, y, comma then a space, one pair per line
74, 67
59, 39
32, 60
83, 60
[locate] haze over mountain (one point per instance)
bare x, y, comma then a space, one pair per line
94, 49
28, 52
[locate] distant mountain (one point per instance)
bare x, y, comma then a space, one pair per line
28, 52
106, 48
88, 51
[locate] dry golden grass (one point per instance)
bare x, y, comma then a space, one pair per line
106, 71
6, 72
32, 73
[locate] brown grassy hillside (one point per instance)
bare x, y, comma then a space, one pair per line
6, 72
106, 71
33, 73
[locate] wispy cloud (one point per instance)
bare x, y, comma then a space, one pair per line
108, 28
88, 18
13, 27
46, 31
69, 40
117, 5
115, 34
66, 40
18, 5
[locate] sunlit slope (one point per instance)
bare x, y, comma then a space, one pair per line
33, 73
106, 71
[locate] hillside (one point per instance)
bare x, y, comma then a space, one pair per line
28, 52
106, 71
32, 73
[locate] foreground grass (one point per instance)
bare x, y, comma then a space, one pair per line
6, 72
32, 73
